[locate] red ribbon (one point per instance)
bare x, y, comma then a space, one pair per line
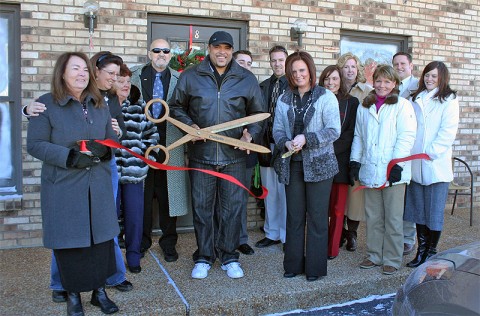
112, 144
392, 163
190, 41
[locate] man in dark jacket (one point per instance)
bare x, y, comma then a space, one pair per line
217, 90
275, 202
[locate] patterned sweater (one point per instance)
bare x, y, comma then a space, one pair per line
322, 128
140, 134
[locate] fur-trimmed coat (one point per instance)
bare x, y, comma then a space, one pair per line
139, 135
322, 128
383, 136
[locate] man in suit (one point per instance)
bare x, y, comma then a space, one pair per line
275, 202
157, 80
403, 65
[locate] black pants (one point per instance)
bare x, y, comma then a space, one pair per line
156, 188
307, 205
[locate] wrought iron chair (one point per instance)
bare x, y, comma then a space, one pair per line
464, 188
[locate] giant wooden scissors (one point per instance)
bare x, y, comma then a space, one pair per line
208, 133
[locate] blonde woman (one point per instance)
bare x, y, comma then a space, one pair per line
384, 130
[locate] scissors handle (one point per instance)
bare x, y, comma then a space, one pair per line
162, 148
161, 118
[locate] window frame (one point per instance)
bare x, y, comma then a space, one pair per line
377, 39
13, 187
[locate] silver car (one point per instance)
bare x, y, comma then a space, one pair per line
447, 284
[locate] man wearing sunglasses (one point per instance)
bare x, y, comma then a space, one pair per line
157, 80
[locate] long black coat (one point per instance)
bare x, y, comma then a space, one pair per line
343, 145
70, 218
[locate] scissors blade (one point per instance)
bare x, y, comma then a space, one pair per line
237, 123
232, 141
288, 153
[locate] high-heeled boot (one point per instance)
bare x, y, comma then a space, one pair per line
433, 238
352, 227
100, 299
422, 238
74, 304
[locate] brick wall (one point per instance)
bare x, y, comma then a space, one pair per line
438, 30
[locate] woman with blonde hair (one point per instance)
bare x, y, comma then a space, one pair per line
384, 130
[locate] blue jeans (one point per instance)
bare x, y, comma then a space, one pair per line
119, 276
231, 204
131, 197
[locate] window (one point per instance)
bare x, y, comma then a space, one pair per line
372, 48
10, 106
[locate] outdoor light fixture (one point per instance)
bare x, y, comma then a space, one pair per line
90, 9
298, 29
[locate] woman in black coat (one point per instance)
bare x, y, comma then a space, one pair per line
331, 78
78, 210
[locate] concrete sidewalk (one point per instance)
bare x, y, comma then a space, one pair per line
164, 288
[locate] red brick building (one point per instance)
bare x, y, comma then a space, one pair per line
36, 32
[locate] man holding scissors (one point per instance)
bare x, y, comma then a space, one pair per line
217, 91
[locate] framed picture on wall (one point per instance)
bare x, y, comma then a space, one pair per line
372, 48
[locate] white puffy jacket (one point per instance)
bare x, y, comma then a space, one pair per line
436, 132
381, 137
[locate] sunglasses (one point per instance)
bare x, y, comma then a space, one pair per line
157, 50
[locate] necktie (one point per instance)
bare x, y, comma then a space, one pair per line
273, 103
401, 88
274, 96
157, 94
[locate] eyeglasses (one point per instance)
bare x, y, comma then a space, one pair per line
110, 73
157, 50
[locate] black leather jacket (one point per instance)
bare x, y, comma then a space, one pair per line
198, 100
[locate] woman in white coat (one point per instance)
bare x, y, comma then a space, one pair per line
384, 130
437, 111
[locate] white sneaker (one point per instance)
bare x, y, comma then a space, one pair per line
233, 269
200, 270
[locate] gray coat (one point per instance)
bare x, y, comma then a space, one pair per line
322, 128
68, 219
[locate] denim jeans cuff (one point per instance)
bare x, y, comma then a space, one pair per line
202, 260
229, 261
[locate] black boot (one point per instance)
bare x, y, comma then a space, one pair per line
422, 238
343, 238
100, 299
351, 240
74, 304
433, 238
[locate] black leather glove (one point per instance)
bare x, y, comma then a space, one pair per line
354, 171
78, 160
98, 150
395, 174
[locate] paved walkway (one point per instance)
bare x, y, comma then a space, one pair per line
164, 288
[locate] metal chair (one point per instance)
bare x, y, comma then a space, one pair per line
465, 189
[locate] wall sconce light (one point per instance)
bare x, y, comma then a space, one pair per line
298, 29
90, 9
